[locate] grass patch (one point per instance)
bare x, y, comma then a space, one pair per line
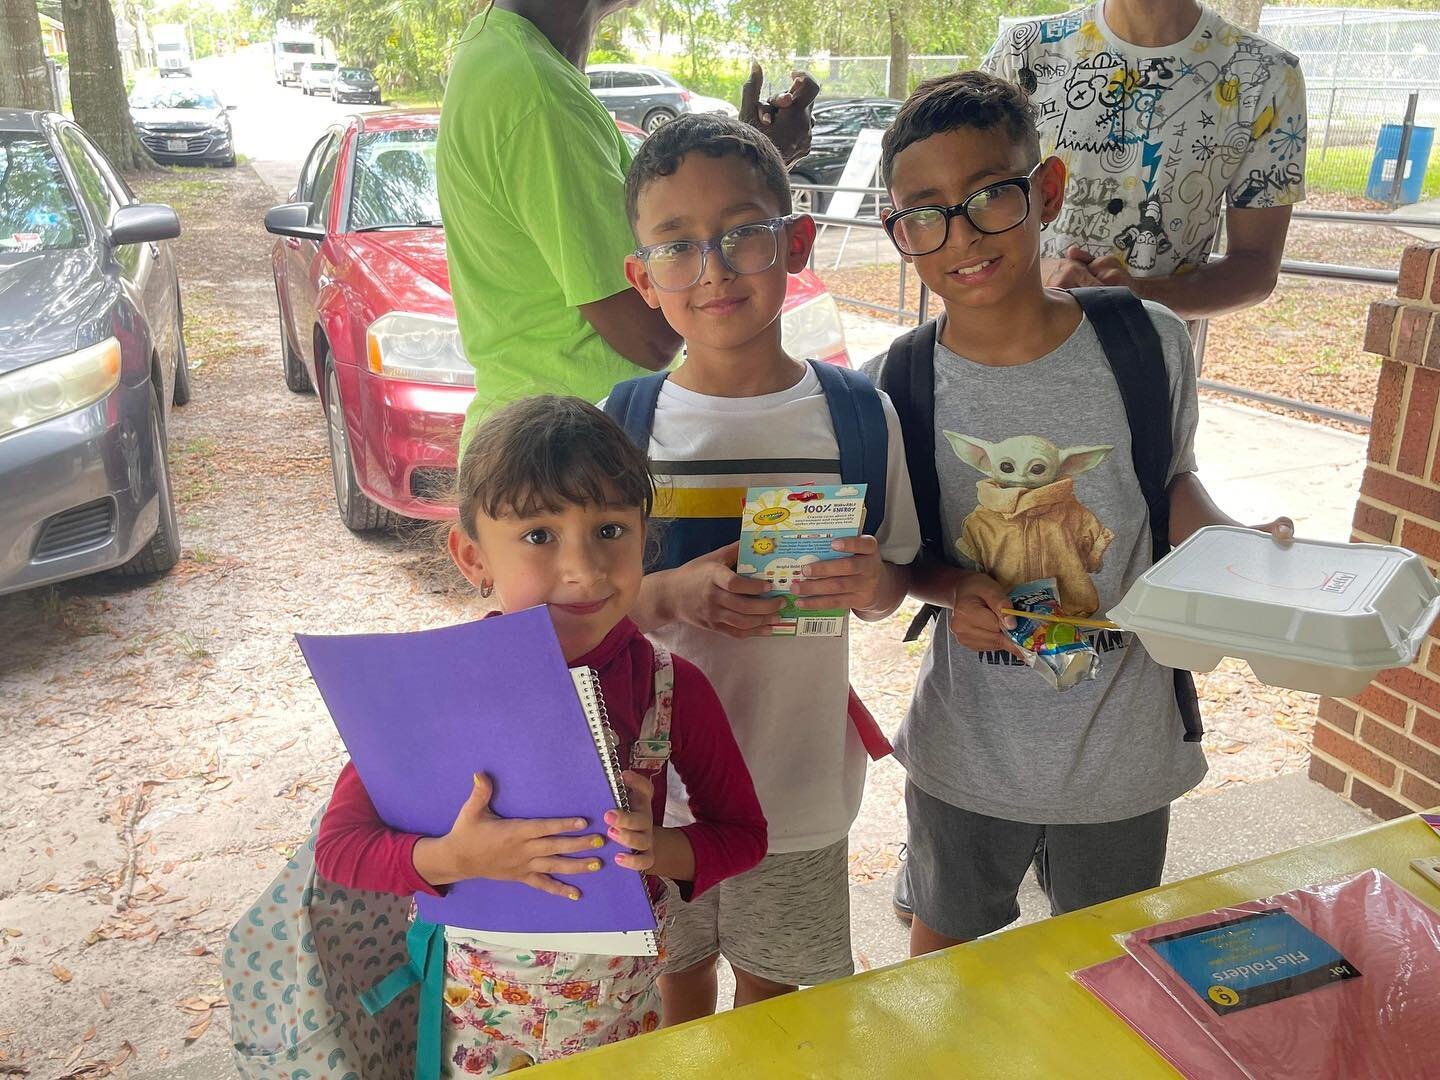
192, 469
1345, 170
410, 99
181, 191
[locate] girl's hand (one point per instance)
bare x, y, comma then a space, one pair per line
852, 583
977, 618
635, 829
527, 850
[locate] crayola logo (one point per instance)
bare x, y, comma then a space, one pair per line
772, 515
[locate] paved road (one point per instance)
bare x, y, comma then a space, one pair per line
275, 126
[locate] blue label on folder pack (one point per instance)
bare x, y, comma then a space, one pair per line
1252, 960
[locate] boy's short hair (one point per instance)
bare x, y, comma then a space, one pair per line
543, 453
965, 99
710, 134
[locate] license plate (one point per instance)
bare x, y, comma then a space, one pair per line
175, 144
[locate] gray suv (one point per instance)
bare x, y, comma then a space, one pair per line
643, 96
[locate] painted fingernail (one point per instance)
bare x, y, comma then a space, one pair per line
596, 841
575, 894
593, 865
614, 834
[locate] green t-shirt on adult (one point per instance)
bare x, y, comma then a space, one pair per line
531, 175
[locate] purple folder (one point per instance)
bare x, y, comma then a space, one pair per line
422, 712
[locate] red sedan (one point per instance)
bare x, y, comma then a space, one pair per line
366, 316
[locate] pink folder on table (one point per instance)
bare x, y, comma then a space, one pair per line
1358, 998
421, 713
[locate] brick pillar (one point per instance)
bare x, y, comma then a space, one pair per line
1382, 748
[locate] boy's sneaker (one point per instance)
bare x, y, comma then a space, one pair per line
901, 902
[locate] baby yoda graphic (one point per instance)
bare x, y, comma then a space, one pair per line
1029, 524
1147, 240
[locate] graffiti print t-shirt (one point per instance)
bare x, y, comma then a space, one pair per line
1037, 480
1158, 140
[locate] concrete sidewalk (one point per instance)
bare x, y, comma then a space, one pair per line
1258, 465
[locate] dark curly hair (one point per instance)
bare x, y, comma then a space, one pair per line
714, 136
966, 99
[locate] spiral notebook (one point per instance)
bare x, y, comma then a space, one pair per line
422, 712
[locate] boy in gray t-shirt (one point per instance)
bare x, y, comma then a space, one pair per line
1033, 454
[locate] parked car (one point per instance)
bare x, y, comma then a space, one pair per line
316, 76
183, 123
700, 103
92, 356
355, 84
643, 96
366, 315
837, 124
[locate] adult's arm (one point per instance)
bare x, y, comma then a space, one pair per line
632, 328
1242, 277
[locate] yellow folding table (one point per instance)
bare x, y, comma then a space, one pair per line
1004, 1006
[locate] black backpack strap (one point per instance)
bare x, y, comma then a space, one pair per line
908, 376
861, 434
631, 404
1137, 358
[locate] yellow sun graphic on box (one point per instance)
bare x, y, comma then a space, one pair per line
769, 511
763, 545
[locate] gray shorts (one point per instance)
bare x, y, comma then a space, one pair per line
964, 869
787, 920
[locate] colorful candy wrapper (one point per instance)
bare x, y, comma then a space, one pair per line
1058, 651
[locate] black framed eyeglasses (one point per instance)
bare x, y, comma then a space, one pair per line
996, 208
746, 249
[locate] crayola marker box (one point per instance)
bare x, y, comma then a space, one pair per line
783, 529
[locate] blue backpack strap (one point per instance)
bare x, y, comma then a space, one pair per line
1136, 356
861, 433
631, 404
425, 966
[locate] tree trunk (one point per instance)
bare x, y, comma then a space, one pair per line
1243, 13
899, 88
24, 80
97, 84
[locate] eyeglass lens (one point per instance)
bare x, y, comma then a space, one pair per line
749, 249
992, 210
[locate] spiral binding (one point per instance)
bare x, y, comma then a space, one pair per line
607, 743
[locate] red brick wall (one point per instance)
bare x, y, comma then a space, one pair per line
1381, 749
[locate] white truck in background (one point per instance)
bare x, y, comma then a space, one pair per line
294, 47
172, 49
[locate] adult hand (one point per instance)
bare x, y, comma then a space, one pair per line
1110, 270
851, 584
977, 616
786, 117
635, 828
706, 592
1282, 529
1071, 272
528, 850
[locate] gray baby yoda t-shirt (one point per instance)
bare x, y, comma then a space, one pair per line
1037, 481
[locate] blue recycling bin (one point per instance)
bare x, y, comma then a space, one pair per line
1382, 167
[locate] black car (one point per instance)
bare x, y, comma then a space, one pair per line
182, 123
91, 359
837, 125
355, 84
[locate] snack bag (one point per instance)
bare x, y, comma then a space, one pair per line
1057, 650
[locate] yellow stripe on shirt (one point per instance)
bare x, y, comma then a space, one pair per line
699, 502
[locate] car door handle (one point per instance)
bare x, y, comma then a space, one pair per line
292, 241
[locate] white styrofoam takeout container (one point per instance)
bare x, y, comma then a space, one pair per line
1312, 615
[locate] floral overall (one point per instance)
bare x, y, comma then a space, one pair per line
507, 1009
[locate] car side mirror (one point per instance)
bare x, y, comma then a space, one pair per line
292, 219
143, 223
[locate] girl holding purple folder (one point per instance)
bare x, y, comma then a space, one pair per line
553, 506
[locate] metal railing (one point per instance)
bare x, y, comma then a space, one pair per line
1358, 275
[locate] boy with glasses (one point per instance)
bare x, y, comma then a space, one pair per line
1058, 444
709, 202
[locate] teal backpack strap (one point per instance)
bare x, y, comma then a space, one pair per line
426, 966
861, 433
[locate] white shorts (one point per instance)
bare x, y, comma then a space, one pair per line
787, 920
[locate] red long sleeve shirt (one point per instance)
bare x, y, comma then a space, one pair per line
358, 850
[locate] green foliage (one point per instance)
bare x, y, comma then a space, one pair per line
408, 43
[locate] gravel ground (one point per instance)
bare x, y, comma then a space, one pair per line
165, 748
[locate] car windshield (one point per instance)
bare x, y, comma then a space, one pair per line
395, 180
37, 209
354, 75
321, 67
173, 97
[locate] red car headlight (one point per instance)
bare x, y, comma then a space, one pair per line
418, 348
